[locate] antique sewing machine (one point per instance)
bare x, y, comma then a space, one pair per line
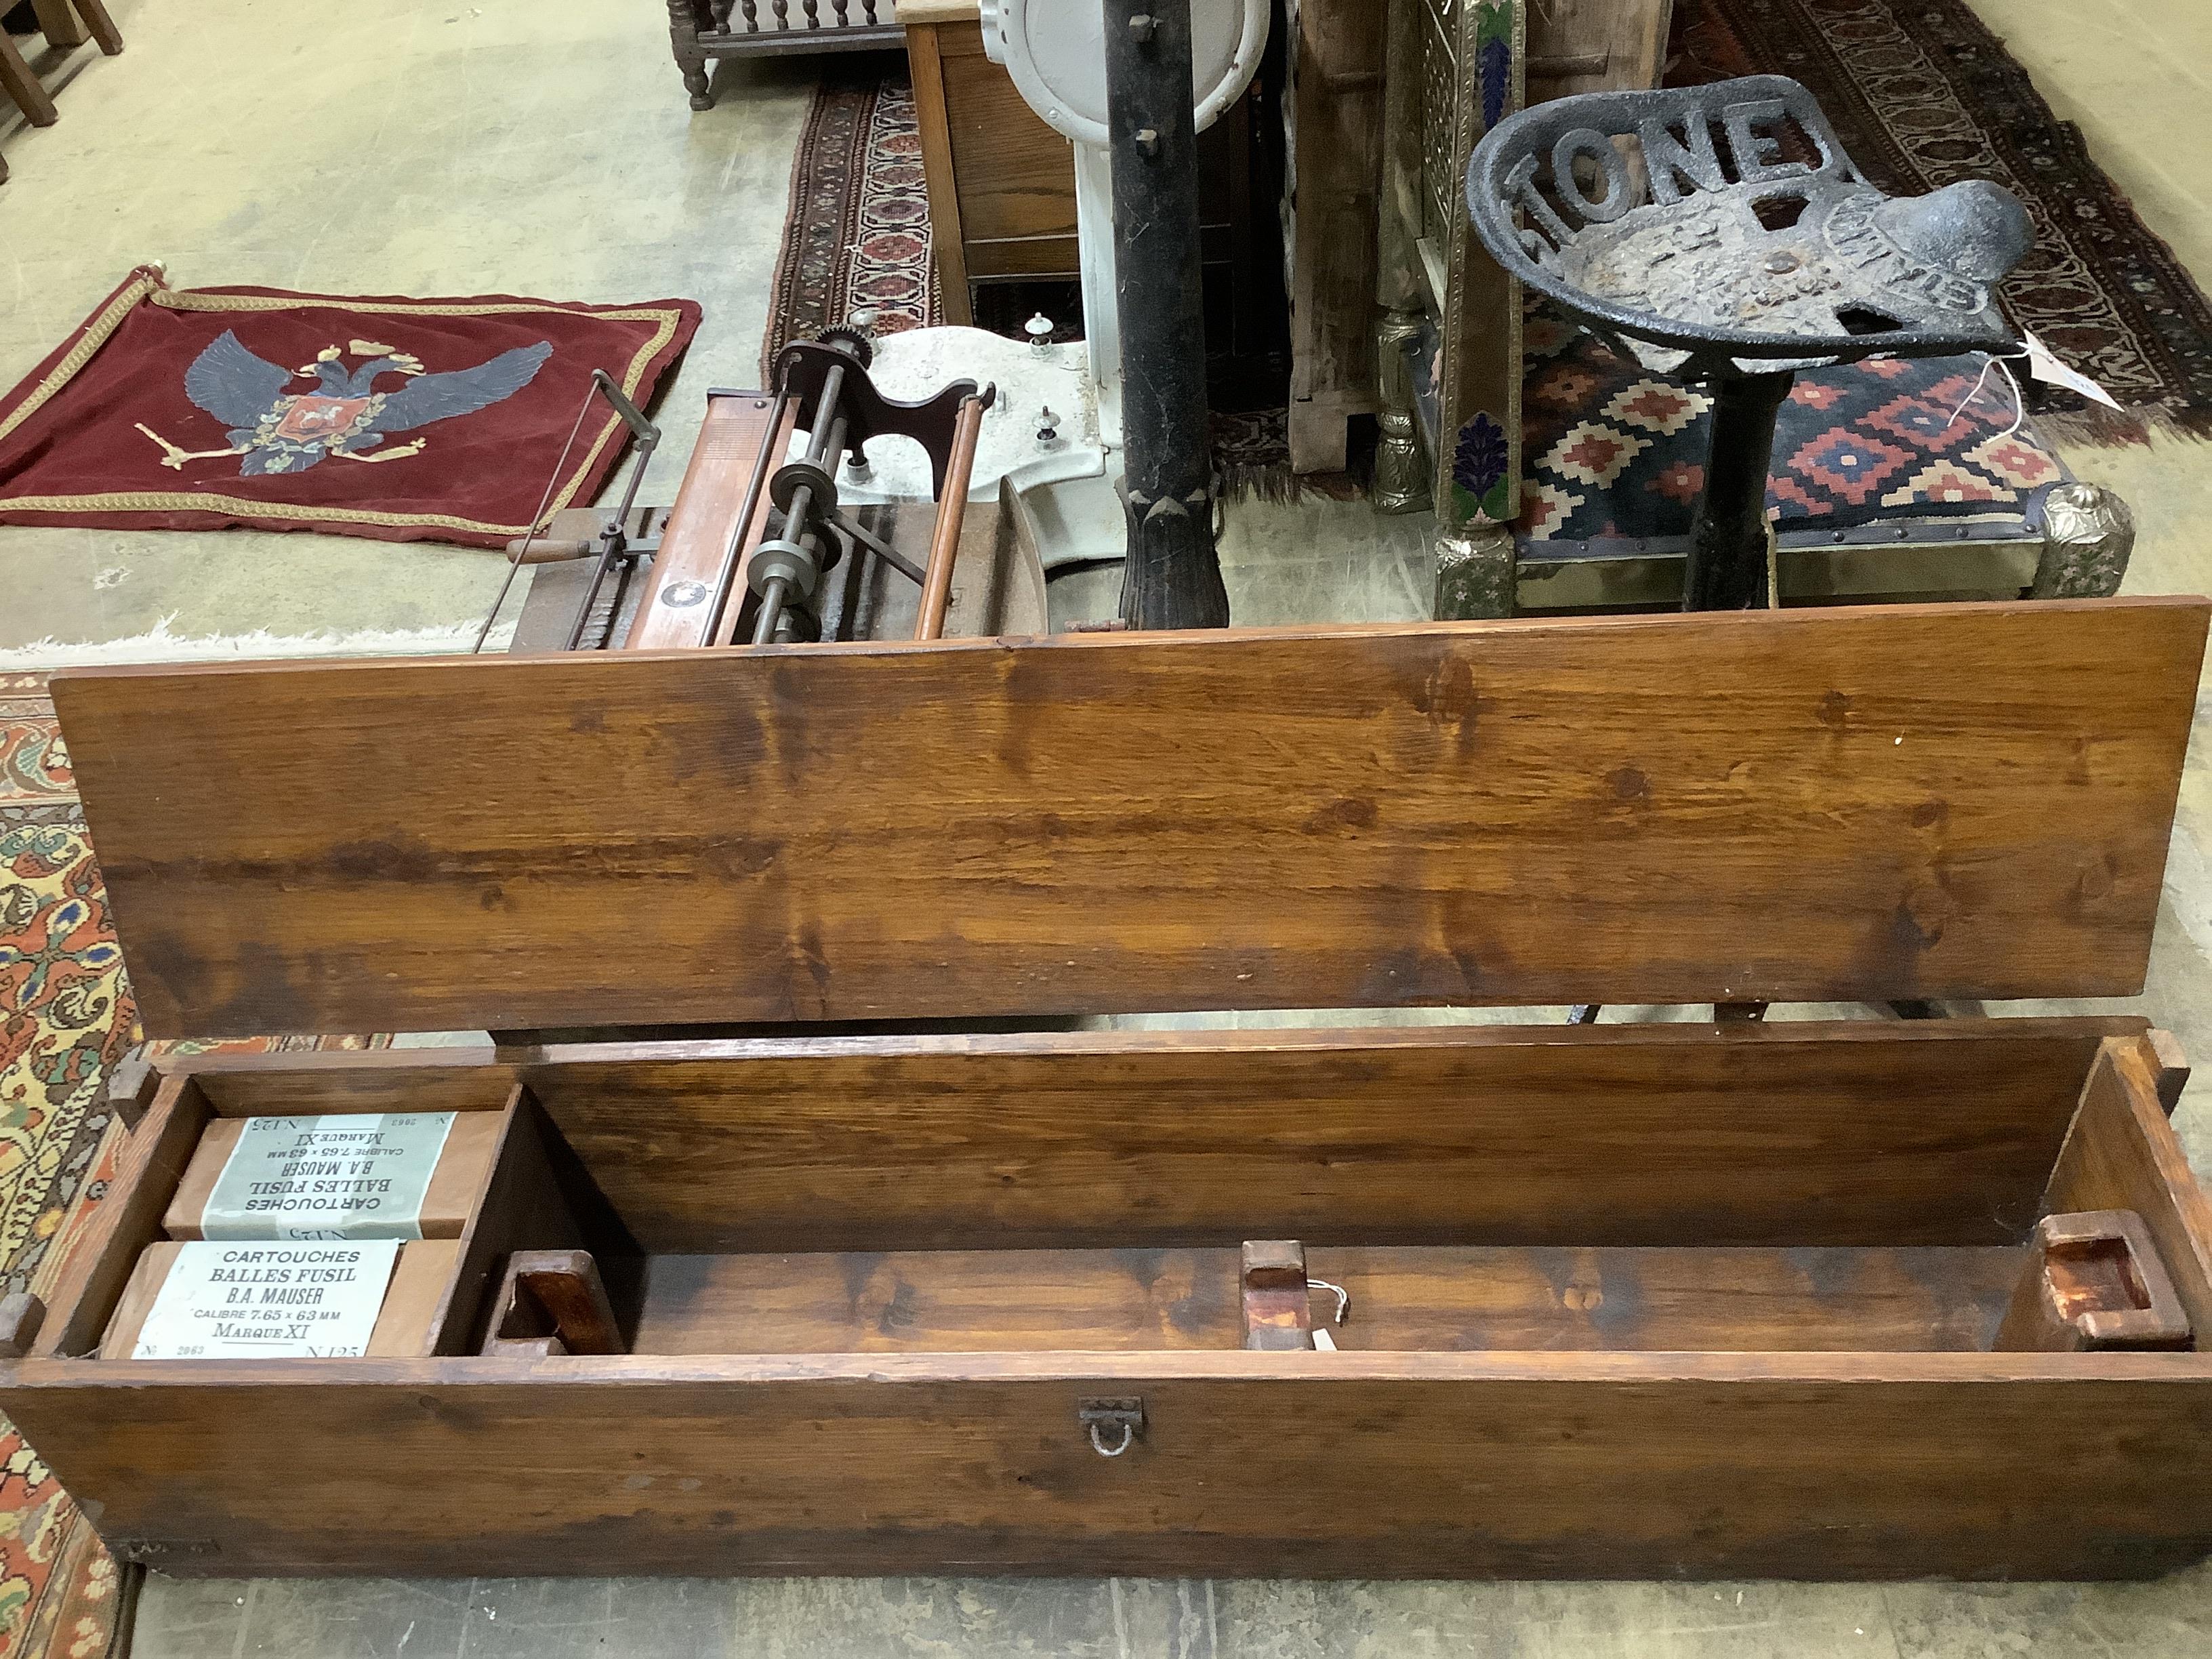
813, 1220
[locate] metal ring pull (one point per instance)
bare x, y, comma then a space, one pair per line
1100, 1416
1343, 1297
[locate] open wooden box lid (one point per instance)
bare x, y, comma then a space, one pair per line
1941, 801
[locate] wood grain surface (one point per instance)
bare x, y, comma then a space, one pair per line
1741, 1300
520, 1207
1572, 1464
2122, 1154
1910, 801
948, 1301
438, 1079
1991, 1466
1796, 1133
125, 1221
703, 528
1873, 1300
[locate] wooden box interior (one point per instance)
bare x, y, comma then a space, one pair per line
1670, 1189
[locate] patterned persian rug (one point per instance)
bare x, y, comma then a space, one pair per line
1923, 95
66, 1016
856, 235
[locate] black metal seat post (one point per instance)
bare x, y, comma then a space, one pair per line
1727, 559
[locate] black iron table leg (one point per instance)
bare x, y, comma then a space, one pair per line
1174, 572
1727, 567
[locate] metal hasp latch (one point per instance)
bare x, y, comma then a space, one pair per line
1115, 1424
1721, 234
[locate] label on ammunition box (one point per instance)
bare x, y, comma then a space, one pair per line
327, 1178
269, 1301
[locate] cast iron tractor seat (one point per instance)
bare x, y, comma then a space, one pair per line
1678, 226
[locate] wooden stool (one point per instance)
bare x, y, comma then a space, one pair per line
65, 23
22, 86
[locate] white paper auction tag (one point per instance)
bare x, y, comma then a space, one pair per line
2047, 368
327, 1178
269, 1301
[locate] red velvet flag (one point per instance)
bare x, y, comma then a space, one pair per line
405, 420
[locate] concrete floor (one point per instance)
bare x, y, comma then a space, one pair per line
452, 147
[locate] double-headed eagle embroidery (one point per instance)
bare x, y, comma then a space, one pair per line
275, 430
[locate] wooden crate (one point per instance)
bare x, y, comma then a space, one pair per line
1663, 1302
1705, 1300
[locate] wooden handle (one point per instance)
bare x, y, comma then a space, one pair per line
22, 1315
552, 1302
1277, 1311
2094, 1279
944, 543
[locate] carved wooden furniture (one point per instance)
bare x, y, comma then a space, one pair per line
1333, 54
22, 86
72, 22
1712, 1301
64, 23
1449, 347
701, 31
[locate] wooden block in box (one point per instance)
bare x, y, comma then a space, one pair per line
463, 1167
403, 1326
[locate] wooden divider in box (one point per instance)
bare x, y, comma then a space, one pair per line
114, 1279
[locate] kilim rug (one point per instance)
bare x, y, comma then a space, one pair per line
404, 420
66, 1016
1923, 95
1614, 450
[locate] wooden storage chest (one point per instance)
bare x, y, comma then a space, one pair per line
1703, 1299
